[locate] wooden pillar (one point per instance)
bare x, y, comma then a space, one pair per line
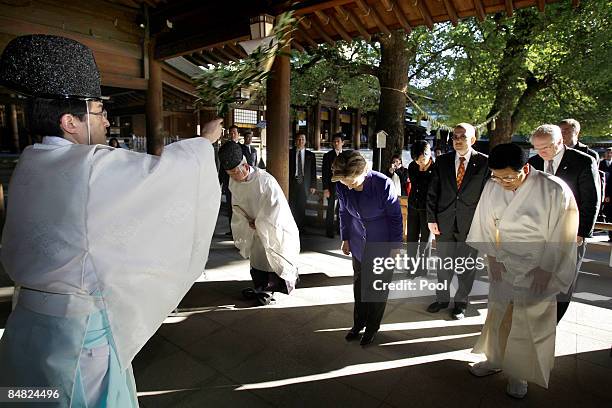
228, 120
277, 99
154, 105
14, 126
316, 124
356, 129
336, 124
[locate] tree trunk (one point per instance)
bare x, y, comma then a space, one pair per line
512, 78
393, 79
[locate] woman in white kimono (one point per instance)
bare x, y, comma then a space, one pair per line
263, 226
103, 242
526, 225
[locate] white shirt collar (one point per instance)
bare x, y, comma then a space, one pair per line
55, 140
467, 156
558, 157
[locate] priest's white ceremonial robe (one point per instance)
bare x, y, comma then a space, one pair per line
274, 245
104, 244
536, 225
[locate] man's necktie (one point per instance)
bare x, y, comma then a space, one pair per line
549, 168
300, 170
460, 172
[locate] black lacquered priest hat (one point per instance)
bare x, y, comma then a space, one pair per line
230, 155
49, 66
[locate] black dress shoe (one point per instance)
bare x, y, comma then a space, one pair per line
458, 312
264, 299
353, 334
367, 339
435, 307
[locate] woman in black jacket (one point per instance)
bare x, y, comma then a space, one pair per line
419, 172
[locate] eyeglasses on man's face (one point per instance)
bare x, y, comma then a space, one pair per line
544, 148
505, 179
458, 138
103, 113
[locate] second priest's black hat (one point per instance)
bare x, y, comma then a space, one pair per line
49, 66
230, 155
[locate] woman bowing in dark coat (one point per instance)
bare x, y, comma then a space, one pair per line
369, 214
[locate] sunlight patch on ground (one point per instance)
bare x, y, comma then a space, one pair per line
459, 355
430, 339
162, 392
426, 324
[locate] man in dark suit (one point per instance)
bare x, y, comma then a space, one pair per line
570, 129
234, 137
605, 164
249, 151
302, 178
329, 187
456, 184
579, 171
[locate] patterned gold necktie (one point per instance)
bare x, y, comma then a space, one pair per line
460, 172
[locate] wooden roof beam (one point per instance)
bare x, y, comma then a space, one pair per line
223, 52
322, 16
237, 50
541, 4
452, 13
212, 59
425, 13
320, 31
209, 60
339, 28
355, 21
391, 5
307, 38
197, 59
480, 12
367, 10
509, 8
218, 56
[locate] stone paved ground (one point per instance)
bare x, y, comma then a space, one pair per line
219, 351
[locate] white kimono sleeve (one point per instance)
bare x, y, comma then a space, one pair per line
559, 255
149, 226
482, 230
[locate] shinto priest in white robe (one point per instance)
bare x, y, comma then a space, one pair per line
274, 245
102, 237
536, 225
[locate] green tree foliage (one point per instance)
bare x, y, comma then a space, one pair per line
346, 70
534, 68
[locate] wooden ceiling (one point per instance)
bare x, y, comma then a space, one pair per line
209, 32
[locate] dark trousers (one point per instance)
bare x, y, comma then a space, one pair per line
563, 299
417, 231
366, 314
297, 202
230, 210
268, 281
607, 212
453, 245
331, 226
